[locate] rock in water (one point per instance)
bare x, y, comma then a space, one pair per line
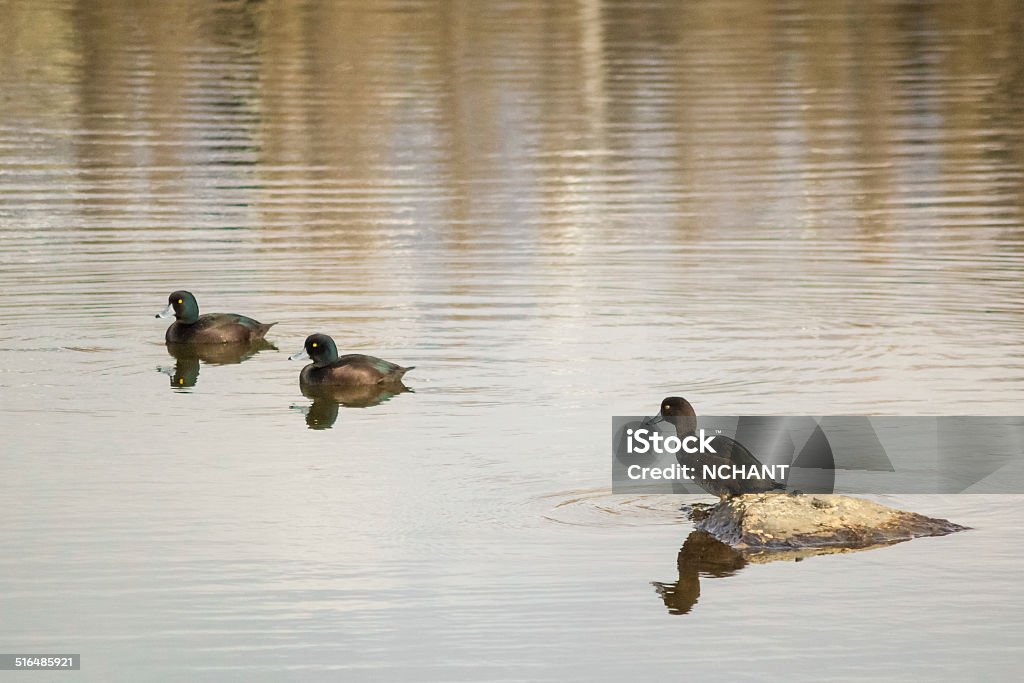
786, 521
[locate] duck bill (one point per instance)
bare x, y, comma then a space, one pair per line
301, 355
651, 421
167, 312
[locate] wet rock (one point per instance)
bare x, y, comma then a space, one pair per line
779, 521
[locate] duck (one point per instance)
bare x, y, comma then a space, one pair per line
352, 369
678, 411
210, 328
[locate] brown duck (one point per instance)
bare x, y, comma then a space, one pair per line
210, 328
352, 369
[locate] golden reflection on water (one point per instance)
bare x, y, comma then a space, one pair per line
572, 103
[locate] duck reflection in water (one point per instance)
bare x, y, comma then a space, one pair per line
704, 556
187, 357
701, 555
323, 412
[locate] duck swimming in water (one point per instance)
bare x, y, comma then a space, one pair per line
352, 369
210, 328
728, 452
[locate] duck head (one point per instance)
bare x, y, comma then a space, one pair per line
319, 348
183, 306
678, 411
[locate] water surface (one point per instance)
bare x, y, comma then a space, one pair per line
558, 212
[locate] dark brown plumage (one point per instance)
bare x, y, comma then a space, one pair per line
211, 328
352, 369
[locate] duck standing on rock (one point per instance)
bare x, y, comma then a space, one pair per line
728, 452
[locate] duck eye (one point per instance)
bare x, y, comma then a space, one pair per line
180, 301
314, 345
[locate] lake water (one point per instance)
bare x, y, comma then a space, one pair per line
558, 212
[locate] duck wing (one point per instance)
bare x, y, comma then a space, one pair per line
388, 371
213, 320
226, 320
379, 364
735, 452
729, 453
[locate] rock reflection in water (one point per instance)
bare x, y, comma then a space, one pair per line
704, 556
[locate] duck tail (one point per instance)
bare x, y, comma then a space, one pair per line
263, 328
397, 375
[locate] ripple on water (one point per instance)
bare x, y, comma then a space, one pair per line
601, 508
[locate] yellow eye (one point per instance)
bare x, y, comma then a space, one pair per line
314, 345
180, 301
181, 380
